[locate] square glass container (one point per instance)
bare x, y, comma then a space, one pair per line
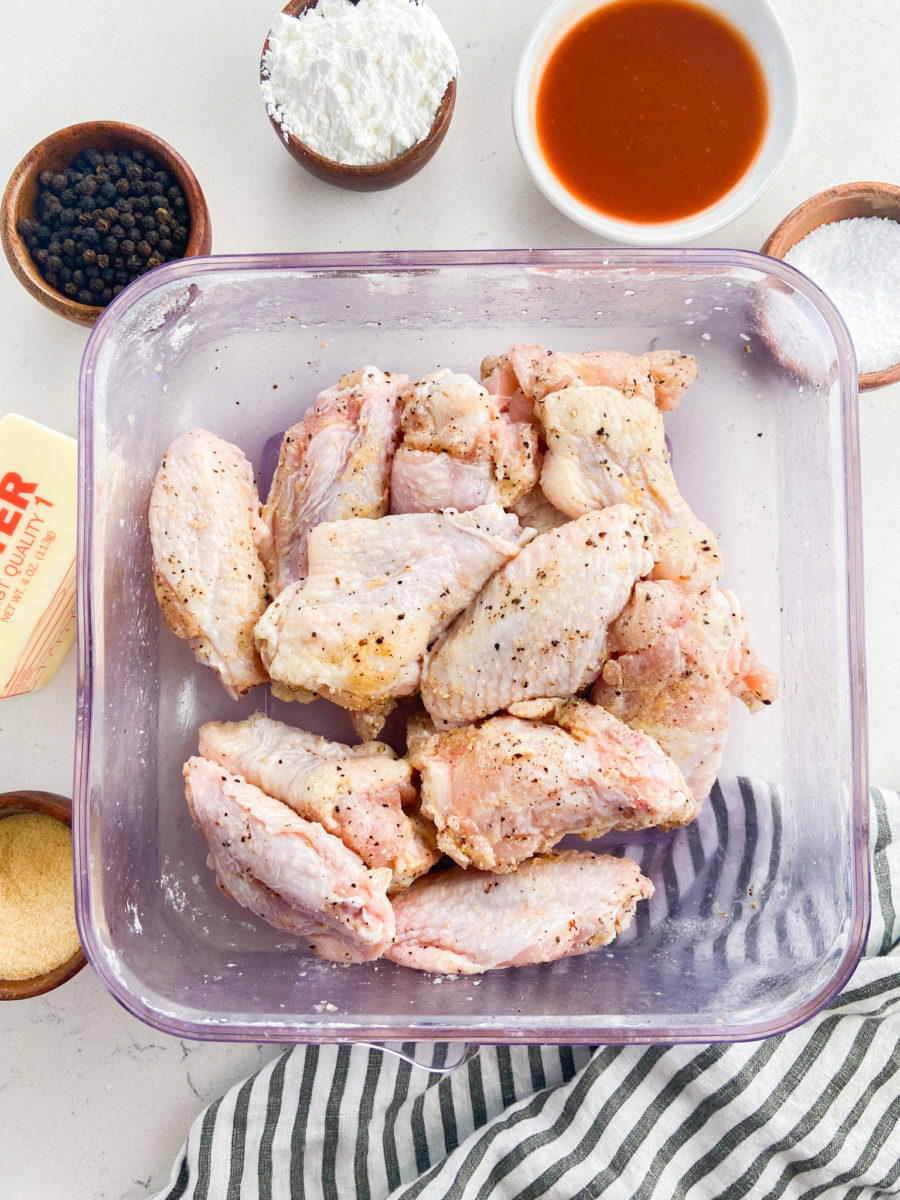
761, 906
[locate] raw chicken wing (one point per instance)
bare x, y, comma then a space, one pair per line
357, 793
660, 376
290, 872
536, 512
677, 659
607, 448
512, 787
335, 463
464, 922
460, 448
378, 593
207, 572
539, 626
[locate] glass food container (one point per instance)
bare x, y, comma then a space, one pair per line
761, 906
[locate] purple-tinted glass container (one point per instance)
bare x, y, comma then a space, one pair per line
761, 906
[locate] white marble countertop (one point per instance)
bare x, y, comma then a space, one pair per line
94, 1105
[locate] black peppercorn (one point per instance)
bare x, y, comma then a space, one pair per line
107, 218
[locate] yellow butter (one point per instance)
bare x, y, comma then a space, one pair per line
38, 519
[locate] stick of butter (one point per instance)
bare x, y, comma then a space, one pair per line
38, 519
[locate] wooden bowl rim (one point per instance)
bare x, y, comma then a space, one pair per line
324, 168
48, 804
73, 139
787, 233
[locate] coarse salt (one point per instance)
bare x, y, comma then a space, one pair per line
857, 263
357, 83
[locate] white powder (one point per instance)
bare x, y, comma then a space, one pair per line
358, 83
857, 263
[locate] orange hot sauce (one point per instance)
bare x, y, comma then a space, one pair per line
651, 110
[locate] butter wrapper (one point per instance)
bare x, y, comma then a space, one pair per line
38, 522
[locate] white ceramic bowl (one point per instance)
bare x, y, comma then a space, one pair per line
759, 26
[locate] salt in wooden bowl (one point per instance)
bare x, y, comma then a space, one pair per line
840, 203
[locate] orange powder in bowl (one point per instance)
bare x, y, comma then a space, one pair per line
37, 896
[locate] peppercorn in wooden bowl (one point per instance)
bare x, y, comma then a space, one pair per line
97, 207
36, 918
366, 177
858, 264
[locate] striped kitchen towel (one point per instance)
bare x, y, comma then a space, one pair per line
811, 1113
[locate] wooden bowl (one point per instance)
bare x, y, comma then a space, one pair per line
840, 203
60, 808
55, 153
370, 177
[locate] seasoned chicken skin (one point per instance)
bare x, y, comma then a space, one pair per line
207, 572
660, 376
357, 793
460, 448
677, 660
378, 593
465, 922
603, 448
291, 872
536, 512
513, 787
538, 628
335, 463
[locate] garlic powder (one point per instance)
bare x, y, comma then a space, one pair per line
357, 83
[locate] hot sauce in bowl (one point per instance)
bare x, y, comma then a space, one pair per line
651, 110
655, 120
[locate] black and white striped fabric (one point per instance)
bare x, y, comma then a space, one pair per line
811, 1113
